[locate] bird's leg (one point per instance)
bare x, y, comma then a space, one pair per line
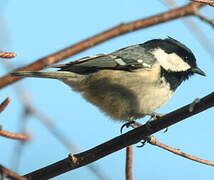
154, 115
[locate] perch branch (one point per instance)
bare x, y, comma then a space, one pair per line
78, 160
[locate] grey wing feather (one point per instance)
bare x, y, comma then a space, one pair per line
90, 64
136, 55
128, 58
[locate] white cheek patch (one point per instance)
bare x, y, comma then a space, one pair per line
171, 62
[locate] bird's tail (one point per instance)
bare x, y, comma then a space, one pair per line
46, 74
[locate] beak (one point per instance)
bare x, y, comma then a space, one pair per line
198, 71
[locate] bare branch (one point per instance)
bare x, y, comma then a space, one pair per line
13, 135
7, 55
63, 139
205, 19
10, 174
101, 37
4, 104
211, 2
196, 30
6, 133
129, 138
29, 109
155, 142
152, 140
129, 162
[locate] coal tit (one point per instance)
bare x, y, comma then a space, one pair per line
131, 82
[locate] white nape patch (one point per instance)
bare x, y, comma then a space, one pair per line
120, 61
171, 62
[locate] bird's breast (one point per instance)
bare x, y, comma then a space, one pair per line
127, 95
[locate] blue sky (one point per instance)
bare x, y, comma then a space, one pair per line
34, 29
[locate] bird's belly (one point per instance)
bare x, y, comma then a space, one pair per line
122, 103
153, 98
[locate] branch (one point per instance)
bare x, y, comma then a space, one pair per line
129, 162
152, 140
4, 104
62, 138
7, 134
10, 174
205, 19
13, 135
196, 30
155, 142
211, 3
101, 37
7, 55
120, 142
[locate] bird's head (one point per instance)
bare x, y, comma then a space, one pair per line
177, 61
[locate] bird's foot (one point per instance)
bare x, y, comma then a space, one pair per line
132, 124
154, 116
143, 143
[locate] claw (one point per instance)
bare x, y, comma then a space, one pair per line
166, 130
127, 125
143, 143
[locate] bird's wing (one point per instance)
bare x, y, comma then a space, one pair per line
129, 58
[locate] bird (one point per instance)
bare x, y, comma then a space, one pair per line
131, 82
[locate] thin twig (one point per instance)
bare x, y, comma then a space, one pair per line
205, 19
10, 174
129, 163
129, 138
7, 54
101, 37
30, 110
18, 149
155, 142
152, 140
63, 139
4, 104
11, 135
211, 3
195, 29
